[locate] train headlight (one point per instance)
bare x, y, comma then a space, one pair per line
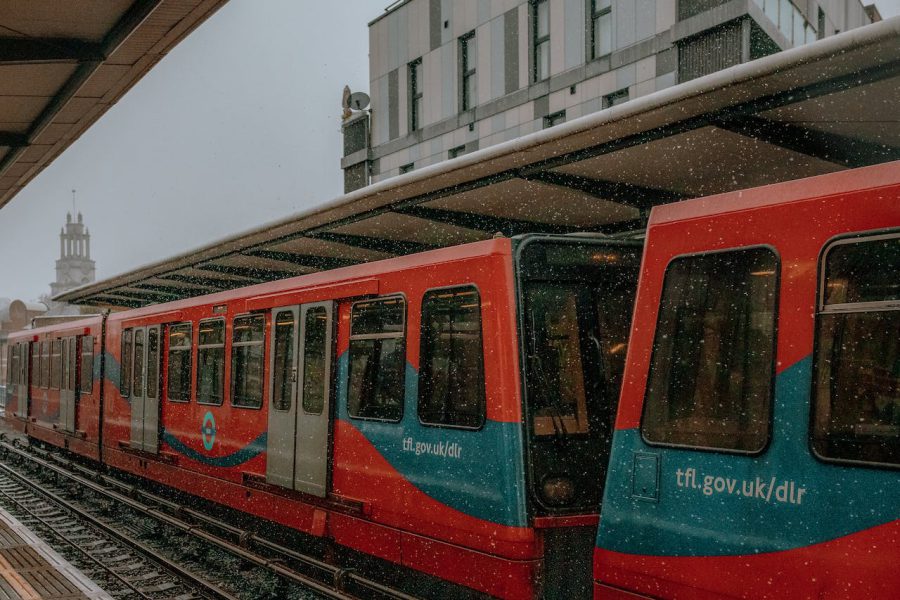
558, 491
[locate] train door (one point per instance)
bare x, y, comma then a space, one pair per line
67, 391
145, 389
300, 397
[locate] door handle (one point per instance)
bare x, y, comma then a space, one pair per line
294, 375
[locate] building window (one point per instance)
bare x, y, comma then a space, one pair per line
540, 18
211, 362
283, 360
601, 28
856, 403
555, 119
467, 60
451, 381
711, 372
178, 387
87, 364
457, 151
615, 98
247, 361
416, 104
406, 168
377, 359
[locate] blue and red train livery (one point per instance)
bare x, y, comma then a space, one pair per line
381, 406
757, 443
457, 412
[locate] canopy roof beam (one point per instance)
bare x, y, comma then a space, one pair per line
831, 147
258, 274
480, 222
629, 194
374, 243
322, 263
28, 50
210, 282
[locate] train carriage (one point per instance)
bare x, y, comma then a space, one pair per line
381, 406
758, 435
53, 384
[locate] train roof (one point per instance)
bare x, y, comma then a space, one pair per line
74, 327
876, 176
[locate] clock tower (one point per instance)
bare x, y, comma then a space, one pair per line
74, 267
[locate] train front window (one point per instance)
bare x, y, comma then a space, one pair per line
576, 302
555, 365
710, 381
857, 384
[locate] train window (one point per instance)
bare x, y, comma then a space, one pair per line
211, 362
137, 386
12, 365
64, 359
12, 362
35, 364
247, 361
856, 403
451, 380
125, 375
710, 381
152, 363
178, 387
315, 378
377, 359
87, 364
55, 363
283, 360
45, 364
73, 362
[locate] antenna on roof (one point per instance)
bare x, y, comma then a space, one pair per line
74, 210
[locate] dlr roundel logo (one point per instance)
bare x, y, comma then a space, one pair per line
208, 430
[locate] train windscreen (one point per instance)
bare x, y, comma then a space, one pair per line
576, 298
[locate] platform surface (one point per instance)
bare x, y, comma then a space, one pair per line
31, 570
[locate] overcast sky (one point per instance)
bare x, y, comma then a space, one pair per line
238, 126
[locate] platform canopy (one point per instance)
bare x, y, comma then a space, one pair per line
63, 63
828, 106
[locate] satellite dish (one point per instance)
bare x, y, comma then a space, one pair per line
359, 100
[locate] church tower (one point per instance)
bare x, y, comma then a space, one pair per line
74, 267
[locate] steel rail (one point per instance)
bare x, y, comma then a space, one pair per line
69, 542
205, 586
129, 493
336, 573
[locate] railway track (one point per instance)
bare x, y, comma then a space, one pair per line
117, 562
165, 549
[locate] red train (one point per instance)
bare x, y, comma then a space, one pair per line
757, 443
453, 412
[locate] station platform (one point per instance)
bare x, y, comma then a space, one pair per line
31, 570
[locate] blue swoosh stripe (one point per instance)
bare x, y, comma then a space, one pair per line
248, 452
